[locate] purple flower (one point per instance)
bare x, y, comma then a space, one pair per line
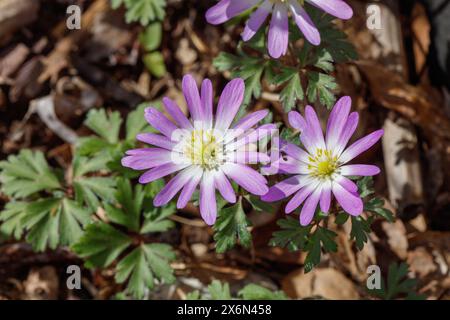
322, 169
204, 150
279, 26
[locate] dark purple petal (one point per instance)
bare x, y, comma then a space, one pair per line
176, 113
189, 188
152, 157
305, 23
159, 121
159, 172
174, 185
337, 8
283, 189
227, 9
156, 140
192, 96
257, 18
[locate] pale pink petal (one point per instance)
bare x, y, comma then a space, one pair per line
309, 208
347, 184
207, 97
192, 96
174, 185
296, 120
247, 157
337, 120
314, 130
174, 111
337, 8
227, 9
305, 23
246, 177
229, 102
189, 188
347, 132
283, 189
159, 172
224, 186
156, 140
359, 170
159, 121
325, 197
257, 18
350, 202
278, 31
296, 152
361, 145
141, 159
301, 195
208, 206
250, 120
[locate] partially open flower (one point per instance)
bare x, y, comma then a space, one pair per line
204, 149
321, 170
279, 24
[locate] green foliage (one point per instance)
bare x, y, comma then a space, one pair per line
151, 37
154, 61
312, 239
305, 74
142, 11
221, 291
231, 224
398, 284
127, 239
26, 174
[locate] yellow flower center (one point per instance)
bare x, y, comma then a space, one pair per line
323, 164
202, 148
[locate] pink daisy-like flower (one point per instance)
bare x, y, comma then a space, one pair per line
279, 25
204, 150
322, 169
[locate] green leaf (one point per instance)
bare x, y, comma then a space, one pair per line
101, 244
219, 291
260, 205
376, 206
151, 37
293, 235
324, 60
398, 284
360, 231
144, 11
142, 265
321, 238
320, 86
154, 62
27, 173
11, 218
256, 292
292, 92
136, 122
231, 224
90, 145
105, 125
90, 190
52, 222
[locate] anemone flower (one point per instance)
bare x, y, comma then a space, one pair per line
322, 169
204, 150
279, 24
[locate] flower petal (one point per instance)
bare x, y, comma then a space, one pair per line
224, 186
257, 18
175, 112
252, 136
159, 121
229, 102
314, 130
350, 202
283, 189
359, 170
227, 9
208, 206
250, 120
337, 120
207, 97
325, 197
192, 96
156, 140
296, 120
189, 188
309, 208
247, 157
278, 31
305, 23
174, 185
337, 8
301, 195
246, 177
347, 132
295, 152
159, 172
360, 146
348, 184
141, 159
